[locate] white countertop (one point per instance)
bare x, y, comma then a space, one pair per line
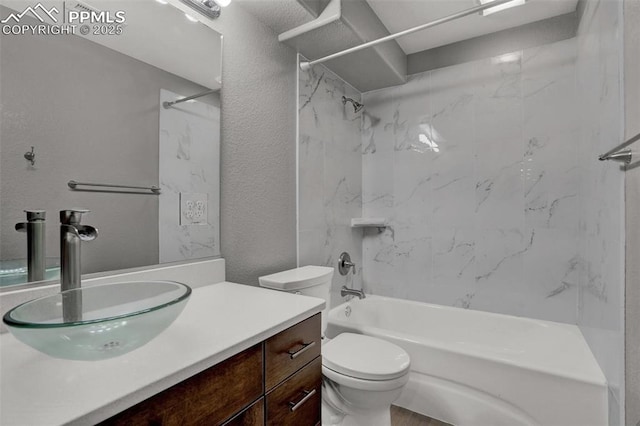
219, 321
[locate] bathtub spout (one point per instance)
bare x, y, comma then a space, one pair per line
346, 291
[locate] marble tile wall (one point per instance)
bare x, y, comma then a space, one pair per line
475, 167
188, 168
488, 175
330, 175
601, 295
631, 91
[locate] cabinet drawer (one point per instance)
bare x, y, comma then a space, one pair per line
208, 398
252, 416
297, 401
289, 350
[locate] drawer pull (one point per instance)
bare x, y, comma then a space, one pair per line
303, 349
307, 394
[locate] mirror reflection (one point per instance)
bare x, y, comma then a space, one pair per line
124, 125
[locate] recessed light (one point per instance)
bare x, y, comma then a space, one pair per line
507, 58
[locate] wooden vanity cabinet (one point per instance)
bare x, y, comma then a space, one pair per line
297, 401
276, 382
251, 416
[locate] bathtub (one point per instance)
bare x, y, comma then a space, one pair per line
483, 369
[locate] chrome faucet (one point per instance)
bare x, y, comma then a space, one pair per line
346, 291
72, 233
36, 257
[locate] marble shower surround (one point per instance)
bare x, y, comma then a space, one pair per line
488, 174
601, 297
329, 175
475, 167
187, 167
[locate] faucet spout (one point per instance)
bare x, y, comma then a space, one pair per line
346, 291
72, 233
35, 230
84, 232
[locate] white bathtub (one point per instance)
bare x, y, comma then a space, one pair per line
483, 369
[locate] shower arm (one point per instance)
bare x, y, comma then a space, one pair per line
308, 64
357, 106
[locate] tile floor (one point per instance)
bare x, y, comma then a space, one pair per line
402, 417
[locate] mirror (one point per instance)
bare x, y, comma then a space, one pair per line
82, 101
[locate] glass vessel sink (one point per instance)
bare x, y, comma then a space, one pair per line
15, 271
108, 320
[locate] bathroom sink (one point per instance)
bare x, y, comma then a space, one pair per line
109, 320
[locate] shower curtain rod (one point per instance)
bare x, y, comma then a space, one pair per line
619, 153
188, 98
308, 64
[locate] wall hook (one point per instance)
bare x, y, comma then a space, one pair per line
30, 156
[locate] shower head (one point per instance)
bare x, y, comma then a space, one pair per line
357, 106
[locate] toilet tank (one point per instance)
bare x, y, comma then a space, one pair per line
314, 281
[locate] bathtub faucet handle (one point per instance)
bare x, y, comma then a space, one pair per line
345, 263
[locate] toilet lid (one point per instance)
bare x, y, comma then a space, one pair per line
365, 357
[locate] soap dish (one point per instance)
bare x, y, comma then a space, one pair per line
369, 222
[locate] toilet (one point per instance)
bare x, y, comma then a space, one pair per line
362, 375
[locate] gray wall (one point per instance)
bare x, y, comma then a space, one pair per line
92, 115
538, 33
632, 296
258, 194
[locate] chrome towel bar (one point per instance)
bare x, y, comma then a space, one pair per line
118, 188
619, 153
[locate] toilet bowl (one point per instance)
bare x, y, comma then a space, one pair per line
362, 375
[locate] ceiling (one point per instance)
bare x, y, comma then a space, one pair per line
279, 15
363, 20
398, 15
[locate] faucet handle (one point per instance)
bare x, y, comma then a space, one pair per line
344, 263
34, 215
72, 216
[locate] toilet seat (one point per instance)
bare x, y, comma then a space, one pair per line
365, 385
365, 358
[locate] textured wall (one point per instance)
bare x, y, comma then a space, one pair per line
46, 95
601, 293
330, 175
474, 167
258, 152
632, 296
